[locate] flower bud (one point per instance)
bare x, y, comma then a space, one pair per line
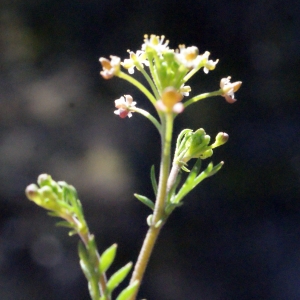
32, 192
221, 139
197, 145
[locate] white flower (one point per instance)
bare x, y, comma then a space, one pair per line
208, 65
110, 68
188, 56
229, 89
123, 105
185, 90
156, 43
139, 58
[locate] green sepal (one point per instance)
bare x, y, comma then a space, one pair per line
118, 277
128, 291
107, 258
153, 180
145, 200
181, 140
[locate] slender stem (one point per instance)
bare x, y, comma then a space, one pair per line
153, 72
202, 96
149, 80
191, 73
85, 236
148, 116
155, 227
138, 85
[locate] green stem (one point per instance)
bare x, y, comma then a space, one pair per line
137, 84
154, 73
148, 116
98, 287
159, 213
202, 96
191, 73
149, 80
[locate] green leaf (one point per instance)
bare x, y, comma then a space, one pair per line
215, 169
195, 171
118, 277
189, 183
84, 261
107, 258
145, 200
128, 291
153, 180
53, 214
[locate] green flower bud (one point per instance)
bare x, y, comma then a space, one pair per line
197, 146
220, 140
32, 193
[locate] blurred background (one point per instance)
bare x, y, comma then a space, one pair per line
238, 235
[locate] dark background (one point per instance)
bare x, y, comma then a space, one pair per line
237, 235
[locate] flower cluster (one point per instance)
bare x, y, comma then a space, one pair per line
169, 70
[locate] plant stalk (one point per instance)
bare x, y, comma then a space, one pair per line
158, 215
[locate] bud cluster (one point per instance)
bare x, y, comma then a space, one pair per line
60, 198
196, 145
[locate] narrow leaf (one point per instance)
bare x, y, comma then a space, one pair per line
129, 291
189, 182
84, 261
145, 200
107, 258
118, 277
64, 224
215, 169
153, 180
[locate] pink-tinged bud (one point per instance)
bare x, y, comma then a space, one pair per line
32, 192
220, 140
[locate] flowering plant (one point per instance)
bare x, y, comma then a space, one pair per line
166, 72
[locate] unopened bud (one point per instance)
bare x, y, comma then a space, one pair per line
221, 139
32, 192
